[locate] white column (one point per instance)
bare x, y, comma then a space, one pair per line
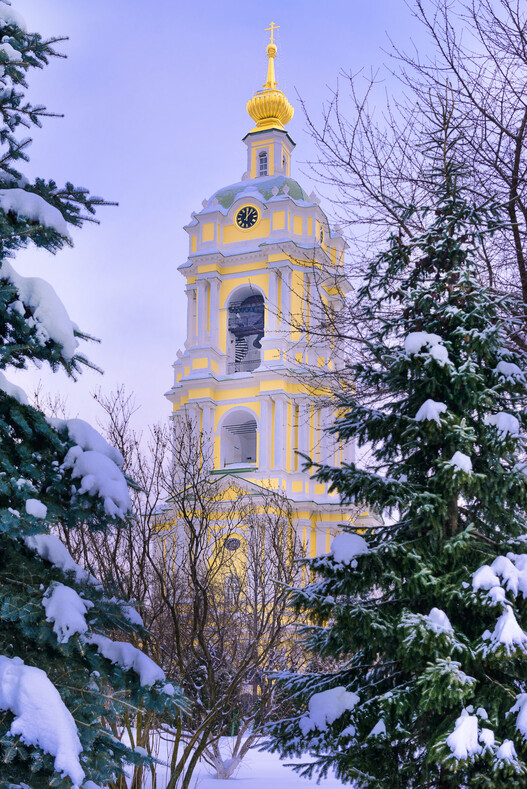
215, 285
348, 451
286, 301
191, 317
272, 306
293, 429
208, 434
325, 438
308, 304
321, 533
303, 427
202, 311
265, 435
279, 433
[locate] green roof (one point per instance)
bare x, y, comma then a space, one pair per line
264, 186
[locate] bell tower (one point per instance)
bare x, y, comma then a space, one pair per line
246, 374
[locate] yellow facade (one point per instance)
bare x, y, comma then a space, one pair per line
253, 284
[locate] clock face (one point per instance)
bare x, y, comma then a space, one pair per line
247, 217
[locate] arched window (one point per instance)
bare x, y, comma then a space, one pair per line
231, 589
238, 439
262, 163
245, 330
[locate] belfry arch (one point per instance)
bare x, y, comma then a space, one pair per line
238, 438
245, 330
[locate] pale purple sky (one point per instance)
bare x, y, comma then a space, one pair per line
154, 98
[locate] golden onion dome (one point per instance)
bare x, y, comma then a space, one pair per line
269, 107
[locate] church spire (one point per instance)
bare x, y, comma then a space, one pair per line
269, 107
271, 54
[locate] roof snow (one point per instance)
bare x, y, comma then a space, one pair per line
265, 189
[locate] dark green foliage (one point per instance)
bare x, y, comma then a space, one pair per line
33, 450
382, 613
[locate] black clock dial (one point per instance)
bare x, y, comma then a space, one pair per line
246, 217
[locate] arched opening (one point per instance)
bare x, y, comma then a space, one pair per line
262, 164
245, 331
238, 439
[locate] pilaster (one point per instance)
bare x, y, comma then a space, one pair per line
214, 336
191, 316
203, 292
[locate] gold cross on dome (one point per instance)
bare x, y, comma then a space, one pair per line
272, 28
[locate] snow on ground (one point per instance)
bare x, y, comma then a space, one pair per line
262, 771
257, 771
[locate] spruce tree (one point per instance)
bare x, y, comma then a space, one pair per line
421, 620
64, 683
